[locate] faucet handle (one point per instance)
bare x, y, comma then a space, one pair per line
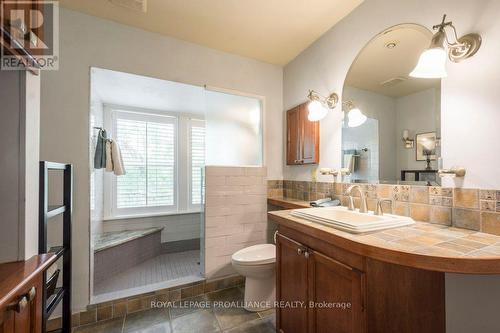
380, 210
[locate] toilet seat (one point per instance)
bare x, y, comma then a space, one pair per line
255, 255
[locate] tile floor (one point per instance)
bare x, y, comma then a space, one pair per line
192, 319
165, 267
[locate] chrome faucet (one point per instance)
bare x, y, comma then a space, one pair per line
364, 207
380, 210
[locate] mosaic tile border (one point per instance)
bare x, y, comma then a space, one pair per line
121, 307
472, 209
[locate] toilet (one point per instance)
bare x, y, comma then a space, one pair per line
257, 264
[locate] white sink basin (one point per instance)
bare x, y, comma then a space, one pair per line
352, 221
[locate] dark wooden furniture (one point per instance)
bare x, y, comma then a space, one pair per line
302, 137
50, 302
345, 292
21, 297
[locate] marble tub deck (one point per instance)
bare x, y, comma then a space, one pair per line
108, 240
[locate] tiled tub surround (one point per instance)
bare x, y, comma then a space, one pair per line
472, 209
113, 256
235, 214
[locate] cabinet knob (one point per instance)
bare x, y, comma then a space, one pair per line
300, 251
306, 254
19, 305
32, 294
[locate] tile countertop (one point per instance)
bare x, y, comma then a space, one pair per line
423, 245
288, 203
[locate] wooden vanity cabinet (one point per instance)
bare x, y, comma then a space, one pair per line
383, 297
331, 294
302, 137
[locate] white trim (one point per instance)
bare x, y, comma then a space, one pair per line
191, 206
136, 216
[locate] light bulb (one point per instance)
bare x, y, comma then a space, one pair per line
356, 118
431, 64
316, 111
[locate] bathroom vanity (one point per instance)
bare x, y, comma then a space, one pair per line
385, 281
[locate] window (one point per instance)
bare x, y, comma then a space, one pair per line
197, 160
163, 154
148, 146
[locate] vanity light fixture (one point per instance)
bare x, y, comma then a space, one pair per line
319, 105
409, 143
355, 117
432, 62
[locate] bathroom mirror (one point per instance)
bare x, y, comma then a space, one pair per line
391, 130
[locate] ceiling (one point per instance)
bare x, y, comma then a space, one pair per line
377, 64
271, 31
112, 87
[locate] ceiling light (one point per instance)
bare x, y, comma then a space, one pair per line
319, 105
432, 62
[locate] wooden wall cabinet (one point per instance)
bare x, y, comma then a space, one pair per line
302, 145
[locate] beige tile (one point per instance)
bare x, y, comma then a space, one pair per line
54, 324
134, 305
75, 319
469, 243
489, 206
192, 291
466, 198
420, 212
482, 238
435, 190
104, 313
88, 317
447, 201
490, 223
440, 215
119, 309
419, 194
435, 200
455, 247
447, 192
488, 194
401, 208
466, 218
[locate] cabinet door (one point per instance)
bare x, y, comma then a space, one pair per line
337, 292
309, 138
291, 286
293, 136
23, 314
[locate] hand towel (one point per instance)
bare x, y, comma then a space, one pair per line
109, 159
100, 150
116, 156
349, 162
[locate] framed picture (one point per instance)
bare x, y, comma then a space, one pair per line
426, 146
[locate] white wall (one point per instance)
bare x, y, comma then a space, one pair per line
469, 105
419, 114
87, 41
469, 94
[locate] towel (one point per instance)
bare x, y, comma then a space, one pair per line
100, 150
109, 159
117, 160
349, 162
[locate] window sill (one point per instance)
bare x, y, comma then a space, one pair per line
137, 216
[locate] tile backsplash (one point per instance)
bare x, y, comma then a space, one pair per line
464, 208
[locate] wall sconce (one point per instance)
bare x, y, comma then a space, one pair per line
355, 117
409, 143
319, 105
432, 62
